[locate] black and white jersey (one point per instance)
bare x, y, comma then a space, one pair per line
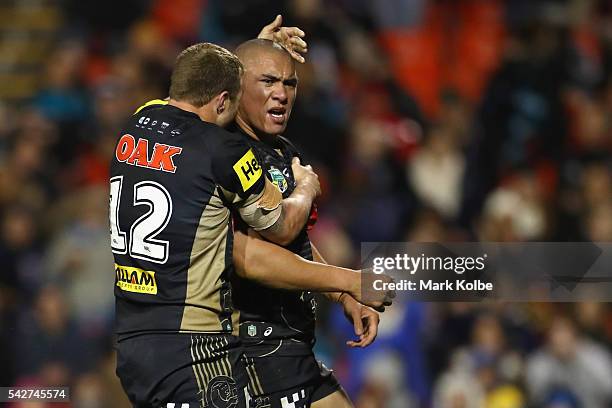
273, 314
172, 182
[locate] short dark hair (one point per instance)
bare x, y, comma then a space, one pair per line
202, 71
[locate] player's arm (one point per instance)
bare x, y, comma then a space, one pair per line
278, 220
364, 319
296, 207
274, 266
317, 257
258, 202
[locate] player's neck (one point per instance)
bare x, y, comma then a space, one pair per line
248, 129
202, 113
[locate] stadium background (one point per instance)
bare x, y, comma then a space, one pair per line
426, 121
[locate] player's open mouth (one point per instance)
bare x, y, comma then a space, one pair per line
277, 115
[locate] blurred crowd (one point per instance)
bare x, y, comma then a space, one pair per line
426, 120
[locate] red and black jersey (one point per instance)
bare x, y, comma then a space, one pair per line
173, 179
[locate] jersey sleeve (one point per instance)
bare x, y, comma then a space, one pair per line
237, 171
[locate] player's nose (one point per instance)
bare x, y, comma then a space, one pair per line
280, 94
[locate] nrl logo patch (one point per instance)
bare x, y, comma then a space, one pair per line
252, 330
278, 179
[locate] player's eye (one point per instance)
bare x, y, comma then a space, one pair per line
267, 81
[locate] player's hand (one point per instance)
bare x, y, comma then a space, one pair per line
306, 177
290, 38
365, 321
365, 293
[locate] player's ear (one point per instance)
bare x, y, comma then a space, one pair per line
222, 102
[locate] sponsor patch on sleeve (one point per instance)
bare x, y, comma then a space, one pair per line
136, 280
248, 170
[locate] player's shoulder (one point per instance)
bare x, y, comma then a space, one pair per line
150, 105
189, 121
224, 139
233, 148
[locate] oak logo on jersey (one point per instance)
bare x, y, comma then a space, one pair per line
137, 154
136, 280
278, 179
248, 170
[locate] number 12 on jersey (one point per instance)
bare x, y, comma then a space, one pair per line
141, 242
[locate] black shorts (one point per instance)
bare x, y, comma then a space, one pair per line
307, 388
187, 370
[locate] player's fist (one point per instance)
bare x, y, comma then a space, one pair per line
373, 290
306, 177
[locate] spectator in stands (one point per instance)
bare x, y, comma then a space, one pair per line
48, 342
572, 363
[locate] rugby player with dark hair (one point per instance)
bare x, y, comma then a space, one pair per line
276, 324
